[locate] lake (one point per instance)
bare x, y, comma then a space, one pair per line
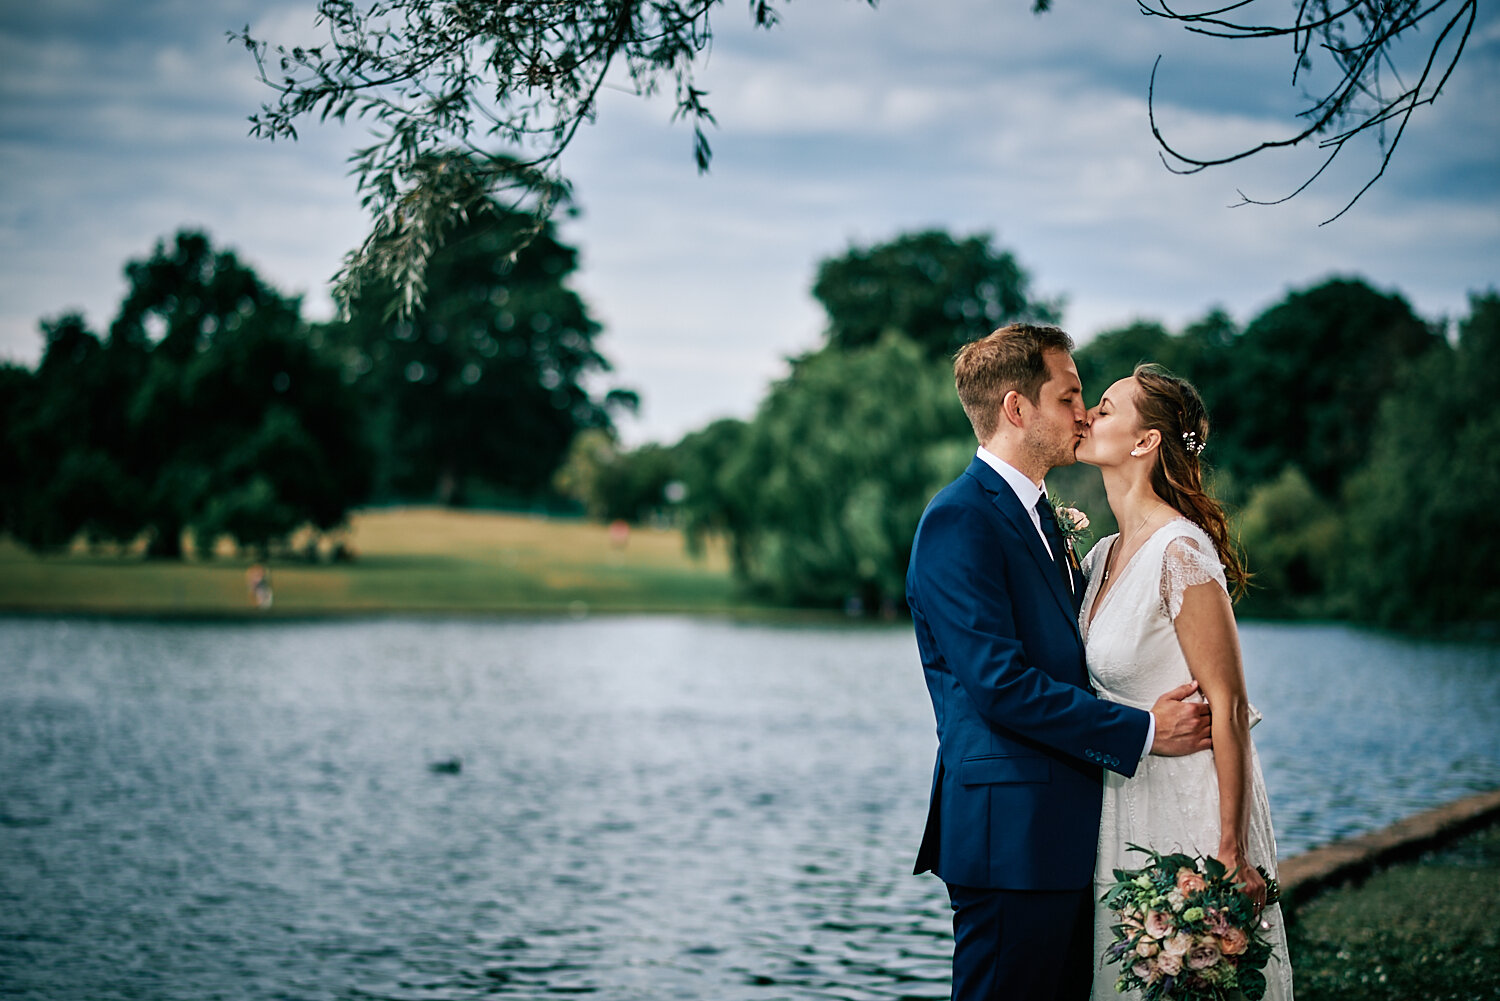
629, 808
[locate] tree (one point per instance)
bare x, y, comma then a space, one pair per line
505, 88
584, 470
482, 386
207, 408
711, 505
1113, 354
279, 436
615, 484
1382, 67
1291, 538
182, 301
67, 435
227, 372
833, 478
1300, 385
15, 392
938, 291
1423, 541
1196, 354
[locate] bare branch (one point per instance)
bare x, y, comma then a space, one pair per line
1366, 41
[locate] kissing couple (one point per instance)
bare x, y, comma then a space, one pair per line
1081, 707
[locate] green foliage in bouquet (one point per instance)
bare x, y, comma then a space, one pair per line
1186, 931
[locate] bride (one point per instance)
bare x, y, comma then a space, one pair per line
1156, 613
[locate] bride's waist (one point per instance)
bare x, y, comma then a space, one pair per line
1124, 697
1146, 702
1142, 700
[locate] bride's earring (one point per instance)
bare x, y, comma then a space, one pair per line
1137, 452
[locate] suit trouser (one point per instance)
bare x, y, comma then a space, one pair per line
1022, 945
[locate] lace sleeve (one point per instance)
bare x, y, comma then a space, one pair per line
1184, 564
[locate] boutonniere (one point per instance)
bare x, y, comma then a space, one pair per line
1073, 524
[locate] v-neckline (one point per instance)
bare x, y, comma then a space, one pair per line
1099, 600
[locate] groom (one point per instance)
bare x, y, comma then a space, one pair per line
1014, 817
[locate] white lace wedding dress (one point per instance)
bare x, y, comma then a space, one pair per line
1172, 804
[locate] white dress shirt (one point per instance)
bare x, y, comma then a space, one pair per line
1028, 493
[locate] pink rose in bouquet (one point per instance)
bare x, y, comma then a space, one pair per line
1218, 921
1190, 881
1233, 941
1203, 954
1178, 945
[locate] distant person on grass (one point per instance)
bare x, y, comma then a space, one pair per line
258, 580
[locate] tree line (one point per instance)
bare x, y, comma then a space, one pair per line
211, 409
1352, 440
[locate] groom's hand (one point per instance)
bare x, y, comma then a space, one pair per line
1181, 727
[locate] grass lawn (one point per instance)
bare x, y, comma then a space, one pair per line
1422, 930
408, 559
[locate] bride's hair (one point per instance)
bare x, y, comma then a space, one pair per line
1173, 407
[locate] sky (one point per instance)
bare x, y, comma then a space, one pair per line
845, 125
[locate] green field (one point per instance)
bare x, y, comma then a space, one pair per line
406, 560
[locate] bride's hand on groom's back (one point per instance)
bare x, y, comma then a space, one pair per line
1181, 727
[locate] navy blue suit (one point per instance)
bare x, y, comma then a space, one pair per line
1021, 737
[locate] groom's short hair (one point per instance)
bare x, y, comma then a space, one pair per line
1013, 357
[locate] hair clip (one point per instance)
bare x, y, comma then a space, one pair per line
1192, 442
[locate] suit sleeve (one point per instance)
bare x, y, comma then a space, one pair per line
962, 592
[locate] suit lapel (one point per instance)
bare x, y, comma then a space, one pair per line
1009, 505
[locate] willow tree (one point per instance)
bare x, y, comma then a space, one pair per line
831, 479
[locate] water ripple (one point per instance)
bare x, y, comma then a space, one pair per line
642, 808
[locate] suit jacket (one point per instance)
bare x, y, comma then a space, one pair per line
1021, 737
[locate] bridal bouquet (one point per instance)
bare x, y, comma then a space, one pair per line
1186, 932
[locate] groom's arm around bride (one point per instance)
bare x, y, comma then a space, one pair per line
1013, 820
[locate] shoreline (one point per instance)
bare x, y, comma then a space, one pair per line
1418, 927
1305, 876
748, 611
549, 611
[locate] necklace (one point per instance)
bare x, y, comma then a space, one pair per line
1113, 559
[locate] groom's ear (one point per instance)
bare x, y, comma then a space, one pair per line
1010, 408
